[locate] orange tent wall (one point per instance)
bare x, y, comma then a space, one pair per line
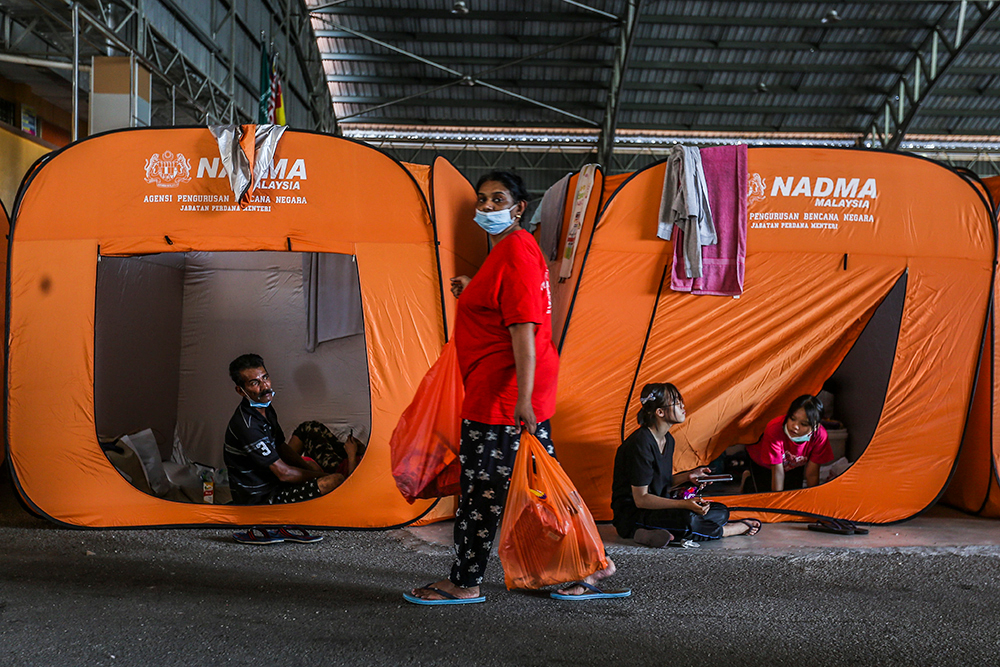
5, 228
462, 244
88, 200
975, 486
739, 362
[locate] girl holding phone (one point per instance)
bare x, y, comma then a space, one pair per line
643, 476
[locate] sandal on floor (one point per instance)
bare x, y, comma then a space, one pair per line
684, 544
446, 597
258, 535
837, 527
593, 593
753, 526
297, 534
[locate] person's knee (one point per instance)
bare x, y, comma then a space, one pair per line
330, 482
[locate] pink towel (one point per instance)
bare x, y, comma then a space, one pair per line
722, 264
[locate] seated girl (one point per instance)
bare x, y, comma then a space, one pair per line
643, 477
791, 450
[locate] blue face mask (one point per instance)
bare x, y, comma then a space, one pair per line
494, 222
254, 404
799, 439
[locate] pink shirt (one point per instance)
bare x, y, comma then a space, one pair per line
775, 447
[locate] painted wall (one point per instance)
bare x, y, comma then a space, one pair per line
17, 154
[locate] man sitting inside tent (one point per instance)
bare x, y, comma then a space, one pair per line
263, 467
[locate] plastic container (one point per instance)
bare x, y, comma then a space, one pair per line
208, 487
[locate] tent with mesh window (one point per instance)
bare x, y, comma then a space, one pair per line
134, 278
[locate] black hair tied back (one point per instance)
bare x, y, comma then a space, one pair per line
653, 397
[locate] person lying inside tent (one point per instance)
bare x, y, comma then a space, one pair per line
792, 449
263, 467
641, 501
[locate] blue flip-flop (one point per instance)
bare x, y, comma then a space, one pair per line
258, 535
594, 594
447, 598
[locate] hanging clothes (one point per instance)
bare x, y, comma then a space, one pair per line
584, 187
548, 217
332, 297
723, 264
247, 152
685, 214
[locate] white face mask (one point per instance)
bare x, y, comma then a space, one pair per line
799, 439
494, 222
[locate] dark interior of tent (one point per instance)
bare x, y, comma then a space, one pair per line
168, 325
854, 396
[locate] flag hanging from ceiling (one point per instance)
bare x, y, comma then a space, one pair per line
265, 85
271, 107
276, 105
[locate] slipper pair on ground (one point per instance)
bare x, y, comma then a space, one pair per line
262, 535
658, 537
838, 527
593, 593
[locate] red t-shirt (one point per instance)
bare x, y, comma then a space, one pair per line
512, 287
775, 447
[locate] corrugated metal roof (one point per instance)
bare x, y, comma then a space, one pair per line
775, 65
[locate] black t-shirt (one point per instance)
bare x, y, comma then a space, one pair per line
252, 442
639, 462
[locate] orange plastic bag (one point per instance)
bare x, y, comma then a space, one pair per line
548, 534
424, 444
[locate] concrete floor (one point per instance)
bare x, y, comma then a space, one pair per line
925, 592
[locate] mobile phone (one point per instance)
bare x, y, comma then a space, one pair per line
715, 478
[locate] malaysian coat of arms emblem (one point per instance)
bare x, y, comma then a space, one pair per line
167, 170
757, 192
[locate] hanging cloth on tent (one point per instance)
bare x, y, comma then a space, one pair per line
333, 297
548, 217
584, 186
723, 264
684, 207
247, 152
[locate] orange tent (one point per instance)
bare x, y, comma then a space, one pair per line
975, 486
154, 196
5, 228
874, 268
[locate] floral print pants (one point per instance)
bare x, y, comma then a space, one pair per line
487, 456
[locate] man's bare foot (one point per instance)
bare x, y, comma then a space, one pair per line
445, 585
592, 580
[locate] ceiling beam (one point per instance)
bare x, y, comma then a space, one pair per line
461, 77
590, 65
389, 11
449, 38
935, 58
584, 106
